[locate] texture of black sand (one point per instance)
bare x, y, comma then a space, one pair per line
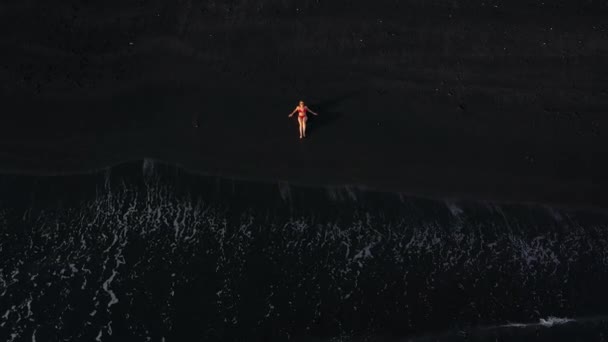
429, 98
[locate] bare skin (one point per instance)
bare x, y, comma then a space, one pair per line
302, 118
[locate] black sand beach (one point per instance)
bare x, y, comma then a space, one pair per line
488, 100
454, 186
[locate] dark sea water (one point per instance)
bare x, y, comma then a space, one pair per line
148, 252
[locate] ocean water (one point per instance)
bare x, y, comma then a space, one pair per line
148, 253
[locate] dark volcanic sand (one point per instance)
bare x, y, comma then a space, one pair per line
487, 100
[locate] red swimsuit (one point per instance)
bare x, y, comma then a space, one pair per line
302, 111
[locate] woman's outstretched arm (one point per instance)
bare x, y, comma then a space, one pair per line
308, 109
290, 115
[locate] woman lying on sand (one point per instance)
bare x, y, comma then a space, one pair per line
302, 109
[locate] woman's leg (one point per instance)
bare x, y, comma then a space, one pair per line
304, 126
300, 124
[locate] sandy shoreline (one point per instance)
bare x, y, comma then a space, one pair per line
427, 149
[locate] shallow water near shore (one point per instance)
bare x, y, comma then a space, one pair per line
145, 252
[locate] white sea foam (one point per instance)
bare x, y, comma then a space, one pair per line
454, 209
551, 321
545, 322
285, 191
148, 167
106, 287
